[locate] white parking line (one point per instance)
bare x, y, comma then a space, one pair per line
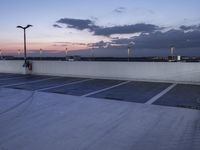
30, 82
155, 98
75, 82
105, 89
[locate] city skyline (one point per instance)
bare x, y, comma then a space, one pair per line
75, 25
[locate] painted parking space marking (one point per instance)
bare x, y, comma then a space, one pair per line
134, 91
183, 95
105, 89
46, 84
86, 87
39, 80
159, 95
59, 86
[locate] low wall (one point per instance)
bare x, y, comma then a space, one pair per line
144, 71
14, 66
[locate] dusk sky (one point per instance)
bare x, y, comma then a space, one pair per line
78, 24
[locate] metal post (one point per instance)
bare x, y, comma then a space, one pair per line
66, 54
130, 45
19, 52
1, 54
92, 53
172, 51
40, 54
25, 45
24, 29
128, 53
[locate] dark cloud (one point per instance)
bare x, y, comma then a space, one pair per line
152, 36
161, 40
192, 27
122, 41
126, 29
100, 44
119, 10
56, 26
79, 24
178, 38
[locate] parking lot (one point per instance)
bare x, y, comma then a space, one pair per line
51, 112
165, 94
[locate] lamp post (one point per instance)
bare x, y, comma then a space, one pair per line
41, 51
131, 44
66, 54
92, 52
24, 28
129, 49
172, 51
19, 52
1, 54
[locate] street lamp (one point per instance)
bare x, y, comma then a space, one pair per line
19, 52
129, 49
131, 44
41, 51
1, 54
24, 28
92, 52
66, 52
172, 51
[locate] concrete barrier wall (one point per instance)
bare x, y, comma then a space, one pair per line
14, 66
144, 71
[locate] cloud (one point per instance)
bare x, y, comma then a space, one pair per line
56, 26
71, 43
119, 10
126, 29
81, 24
178, 38
161, 40
192, 27
150, 36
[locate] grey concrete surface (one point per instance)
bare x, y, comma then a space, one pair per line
85, 87
49, 121
46, 83
139, 92
182, 96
